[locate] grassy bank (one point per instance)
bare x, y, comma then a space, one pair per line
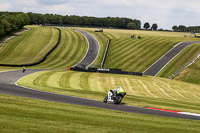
71, 50
138, 54
191, 74
141, 91
28, 115
29, 47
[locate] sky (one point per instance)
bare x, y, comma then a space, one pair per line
166, 13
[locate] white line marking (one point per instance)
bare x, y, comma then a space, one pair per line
188, 113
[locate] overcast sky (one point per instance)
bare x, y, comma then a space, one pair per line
165, 13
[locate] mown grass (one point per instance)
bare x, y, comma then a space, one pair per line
28, 115
138, 54
180, 60
28, 47
191, 73
71, 50
141, 91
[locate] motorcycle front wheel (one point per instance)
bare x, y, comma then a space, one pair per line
118, 100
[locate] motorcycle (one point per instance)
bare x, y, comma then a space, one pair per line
115, 96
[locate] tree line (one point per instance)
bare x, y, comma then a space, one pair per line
114, 22
10, 22
182, 28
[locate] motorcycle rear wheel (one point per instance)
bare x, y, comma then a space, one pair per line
105, 99
118, 100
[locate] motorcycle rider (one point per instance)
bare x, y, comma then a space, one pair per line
113, 93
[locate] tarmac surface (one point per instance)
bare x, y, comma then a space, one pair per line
93, 50
8, 86
154, 69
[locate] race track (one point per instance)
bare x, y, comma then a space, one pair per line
154, 69
8, 86
93, 50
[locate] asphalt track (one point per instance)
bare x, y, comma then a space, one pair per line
93, 50
154, 69
8, 86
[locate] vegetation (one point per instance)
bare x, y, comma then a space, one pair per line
141, 91
71, 50
146, 26
188, 53
190, 74
82, 21
182, 28
154, 27
10, 22
28, 115
137, 55
29, 47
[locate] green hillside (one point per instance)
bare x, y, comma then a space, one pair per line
29, 47
142, 91
138, 54
71, 50
191, 74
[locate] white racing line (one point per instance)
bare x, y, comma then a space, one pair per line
188, 113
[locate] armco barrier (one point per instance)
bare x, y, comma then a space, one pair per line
40, 61
106, 70
105, 54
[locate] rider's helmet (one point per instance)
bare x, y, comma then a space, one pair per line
119, 87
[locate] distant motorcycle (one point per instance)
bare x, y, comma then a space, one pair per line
115, 96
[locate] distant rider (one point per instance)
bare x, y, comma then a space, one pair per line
23, 69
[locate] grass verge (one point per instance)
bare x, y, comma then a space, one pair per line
28, 115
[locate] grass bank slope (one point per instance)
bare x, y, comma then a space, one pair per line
28, 115
138, 54
71, 50
29, 47
141, 91
190, 74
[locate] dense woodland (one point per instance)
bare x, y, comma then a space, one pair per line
12, 21
182, 28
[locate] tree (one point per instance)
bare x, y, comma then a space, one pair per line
7, 26
174, 28
131, 25
146, 26
154, 27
